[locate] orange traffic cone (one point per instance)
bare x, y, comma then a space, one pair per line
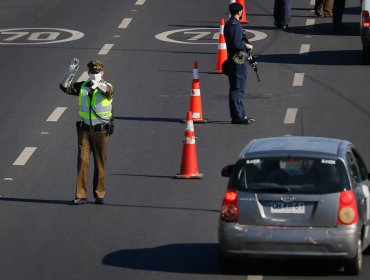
189, 162
244, 17
195, 97
222, 49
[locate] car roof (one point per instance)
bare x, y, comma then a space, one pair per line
296, 146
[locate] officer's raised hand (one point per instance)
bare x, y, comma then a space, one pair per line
71, 72
73, 66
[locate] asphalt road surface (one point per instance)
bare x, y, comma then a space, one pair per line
153, 226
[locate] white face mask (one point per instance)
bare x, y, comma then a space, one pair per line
96, 77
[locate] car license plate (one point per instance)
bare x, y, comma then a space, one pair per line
288, 208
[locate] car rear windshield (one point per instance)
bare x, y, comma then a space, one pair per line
290, 175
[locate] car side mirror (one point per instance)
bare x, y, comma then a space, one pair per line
227, 170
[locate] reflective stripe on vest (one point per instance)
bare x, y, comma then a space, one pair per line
101, 105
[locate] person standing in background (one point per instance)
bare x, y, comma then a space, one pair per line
338, 10
282, 14
324, 8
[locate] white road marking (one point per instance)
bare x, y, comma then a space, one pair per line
290, 116
140, 2
298, 79
125, 22
310, 23
305, 49
54, 117
105, 49
254, 277
84, 77
25, 156
36, 36
164, 36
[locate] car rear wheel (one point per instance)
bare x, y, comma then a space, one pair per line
366, 54
354, 266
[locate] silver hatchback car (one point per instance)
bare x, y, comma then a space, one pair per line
296, 197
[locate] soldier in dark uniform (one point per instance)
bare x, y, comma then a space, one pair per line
236, 42
338, 10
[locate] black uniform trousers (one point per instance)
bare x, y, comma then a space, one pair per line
237, 79
282, 12
338, 10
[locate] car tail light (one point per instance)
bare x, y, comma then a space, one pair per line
347, 214
365, 19
229, 209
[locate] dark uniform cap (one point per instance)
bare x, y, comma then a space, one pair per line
95, 65
234, 8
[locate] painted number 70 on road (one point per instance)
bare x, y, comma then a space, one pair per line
201, 36
37, 36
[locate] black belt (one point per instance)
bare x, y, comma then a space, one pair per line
97, 127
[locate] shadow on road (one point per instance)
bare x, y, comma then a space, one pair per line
92, 203
203, 258
339, 57
198, 258
150, 119
39, 201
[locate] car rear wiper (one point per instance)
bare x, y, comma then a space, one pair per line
269, 187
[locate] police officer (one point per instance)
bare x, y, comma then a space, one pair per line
237, 43
95, 98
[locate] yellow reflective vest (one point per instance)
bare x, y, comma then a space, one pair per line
102, 107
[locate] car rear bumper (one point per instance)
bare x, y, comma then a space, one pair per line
252, 241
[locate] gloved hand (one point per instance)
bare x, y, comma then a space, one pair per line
71, 72
96, 84
73, 66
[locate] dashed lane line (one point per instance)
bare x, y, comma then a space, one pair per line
140, 2
25, 156
84, 77
310, 23
125, 22
298, 79
56, 114
254, 277
305, 48
290, 116
105, 49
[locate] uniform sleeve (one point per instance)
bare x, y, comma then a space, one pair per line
239, 42
73, 89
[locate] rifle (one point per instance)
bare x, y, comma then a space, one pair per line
250, 58
253, 63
